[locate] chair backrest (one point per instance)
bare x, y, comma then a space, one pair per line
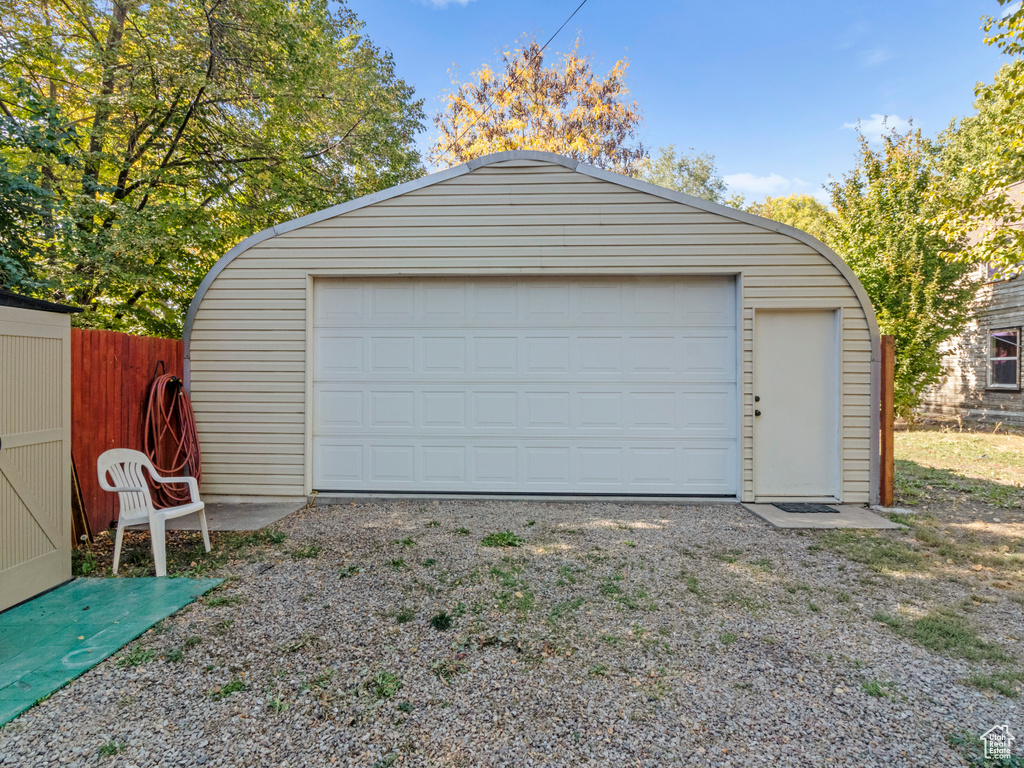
125, 469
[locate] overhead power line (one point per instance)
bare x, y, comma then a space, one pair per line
515, 75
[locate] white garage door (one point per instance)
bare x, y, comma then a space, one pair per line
624, 386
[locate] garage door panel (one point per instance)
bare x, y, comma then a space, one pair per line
540, 466
534, 386
680, 356
438, 409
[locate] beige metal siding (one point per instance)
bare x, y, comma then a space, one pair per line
248, 342
35, 453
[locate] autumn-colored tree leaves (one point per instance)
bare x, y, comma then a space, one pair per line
564, 108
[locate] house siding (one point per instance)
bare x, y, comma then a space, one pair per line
964, 389
248, 346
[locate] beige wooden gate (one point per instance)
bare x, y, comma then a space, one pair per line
35, 452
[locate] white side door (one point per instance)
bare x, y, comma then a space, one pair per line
796, 389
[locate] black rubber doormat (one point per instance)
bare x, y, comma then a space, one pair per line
806, 508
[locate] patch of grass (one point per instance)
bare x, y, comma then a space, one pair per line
843, 597
568, 606
252, 539
398, 564
727, 638
813, 608
599, 670
385, 684
408, 541
224, 691
308, 551
446, 670
109, 749
610, 639
298, 643
429, 562
219, 601
764, 563
135, 657
442, 621
405, 615
691, 583
945, 631
1002, 682
348, 572
463, 531
880, 554
222, 627
726, 557
501, 539
876, 688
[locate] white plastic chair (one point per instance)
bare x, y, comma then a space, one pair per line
125, 468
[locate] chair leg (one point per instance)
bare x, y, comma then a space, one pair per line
206, 531
117, 545
156, 532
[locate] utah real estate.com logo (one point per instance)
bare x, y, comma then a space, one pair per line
998, 742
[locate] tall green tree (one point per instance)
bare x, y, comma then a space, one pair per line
692, 174
197, 122
801, 211
983, 155
881, 228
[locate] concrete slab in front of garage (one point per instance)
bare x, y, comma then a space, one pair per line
849, 516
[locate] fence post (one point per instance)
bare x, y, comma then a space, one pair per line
888, 460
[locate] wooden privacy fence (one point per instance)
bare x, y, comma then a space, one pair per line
110, 377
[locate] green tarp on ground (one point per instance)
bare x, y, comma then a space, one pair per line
55, 637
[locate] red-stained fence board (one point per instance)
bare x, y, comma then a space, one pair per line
110, 377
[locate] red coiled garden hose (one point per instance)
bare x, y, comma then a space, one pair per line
170, 439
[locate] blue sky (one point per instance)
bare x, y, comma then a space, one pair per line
770, 89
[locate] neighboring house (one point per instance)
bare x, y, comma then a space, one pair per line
983, 364
527, 324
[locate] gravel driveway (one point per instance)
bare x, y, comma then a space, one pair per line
384, 633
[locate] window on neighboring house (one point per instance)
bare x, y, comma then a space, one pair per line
1004, 359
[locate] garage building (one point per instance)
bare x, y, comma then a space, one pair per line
527, 324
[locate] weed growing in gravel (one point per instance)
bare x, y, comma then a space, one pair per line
599, 670
406, 706
109, 749
222, 627
566, 575
727, 638
178, 653
385, 762
348, 572
298, 643
408, 541
277, 705
843, 597
813, 608
308, 551
530, 523
561, 609
385, 684
945, 631
729, 557
876, 688
611, 639
321, 680
446, 670
441, 621
463, 531
429, 562
226, 690
136, 656
218, 601
763, 563
629, 543
1003, 682
433, 524
691, 582
83, 562
501, 539
405, 615
398, 564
